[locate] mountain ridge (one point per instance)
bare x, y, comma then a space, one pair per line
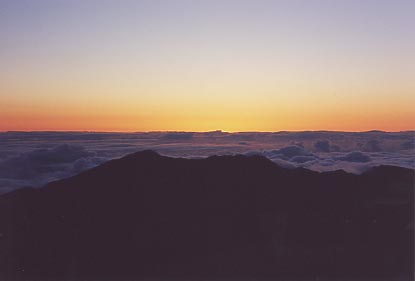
234, 217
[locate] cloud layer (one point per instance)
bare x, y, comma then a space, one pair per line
35, 158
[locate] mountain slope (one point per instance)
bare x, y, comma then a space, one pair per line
224, 217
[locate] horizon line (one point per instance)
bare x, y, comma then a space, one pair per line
210, 131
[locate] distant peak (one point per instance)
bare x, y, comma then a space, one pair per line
388, 168
145, 154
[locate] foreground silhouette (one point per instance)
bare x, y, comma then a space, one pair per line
146, 216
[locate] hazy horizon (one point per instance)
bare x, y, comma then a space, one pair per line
35, 158
209, 131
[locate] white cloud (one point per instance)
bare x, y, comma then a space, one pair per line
34, 158
40, 166
355, 156
322, 146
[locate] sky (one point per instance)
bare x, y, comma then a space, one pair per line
259, 65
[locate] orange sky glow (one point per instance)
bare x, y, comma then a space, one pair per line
207, 65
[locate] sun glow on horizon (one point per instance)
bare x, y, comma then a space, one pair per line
201, 66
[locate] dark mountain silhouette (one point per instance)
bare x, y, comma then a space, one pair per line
149, 217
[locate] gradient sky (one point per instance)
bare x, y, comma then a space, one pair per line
203, 65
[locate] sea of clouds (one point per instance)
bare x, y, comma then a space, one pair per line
36, 158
